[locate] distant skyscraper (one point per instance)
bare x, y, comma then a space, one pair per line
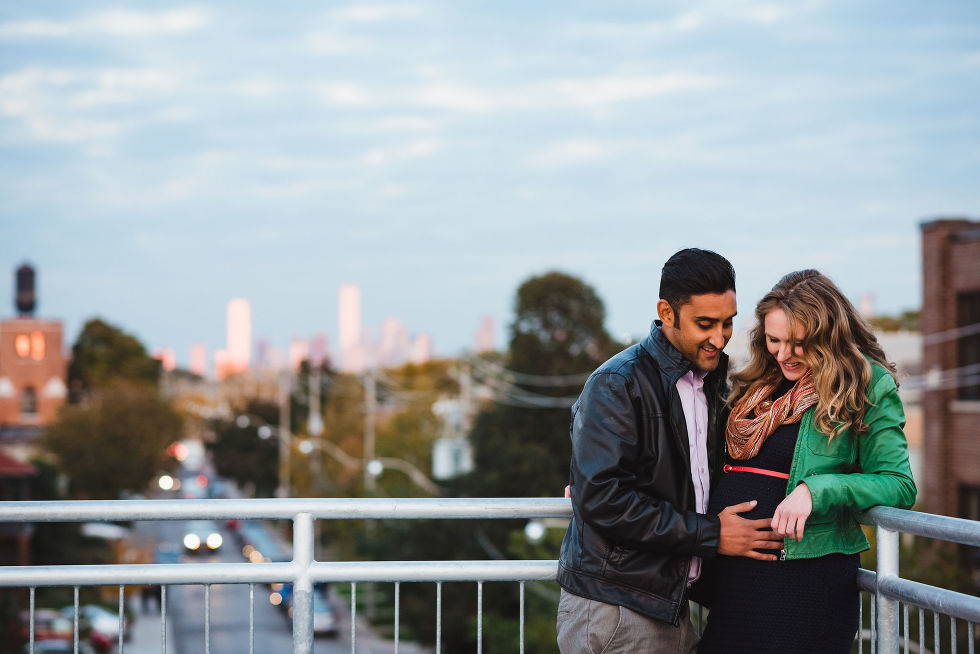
222, 364
318, 348
395, 345
167, 357
199, 359
866, 306
261, 359
299, 350
484, 341
349, 328
421, 349
239, 335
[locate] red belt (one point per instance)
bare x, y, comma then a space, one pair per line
758, 471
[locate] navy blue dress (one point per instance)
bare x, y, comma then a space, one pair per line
800, 605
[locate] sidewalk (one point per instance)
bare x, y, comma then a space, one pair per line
146, 635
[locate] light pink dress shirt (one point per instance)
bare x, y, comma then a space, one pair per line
691, 389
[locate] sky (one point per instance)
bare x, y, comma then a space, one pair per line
158, 159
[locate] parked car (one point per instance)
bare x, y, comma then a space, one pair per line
99, 619
324, 618
58, 646
48, 625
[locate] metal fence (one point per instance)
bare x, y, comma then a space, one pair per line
890, 592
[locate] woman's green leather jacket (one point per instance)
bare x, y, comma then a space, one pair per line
851, 472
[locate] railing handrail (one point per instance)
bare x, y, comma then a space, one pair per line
929, 525
268, 573
303, 571
286, 509
955, 530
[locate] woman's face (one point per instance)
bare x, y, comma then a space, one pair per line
790, 360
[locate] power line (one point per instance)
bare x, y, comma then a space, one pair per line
951, 334
527, 379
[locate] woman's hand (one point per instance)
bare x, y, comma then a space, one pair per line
791, 514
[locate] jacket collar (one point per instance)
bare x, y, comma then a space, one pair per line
672, 363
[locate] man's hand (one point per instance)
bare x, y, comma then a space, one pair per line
791, 514
741, 537
568, 491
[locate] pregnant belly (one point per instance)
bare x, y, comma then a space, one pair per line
738, 487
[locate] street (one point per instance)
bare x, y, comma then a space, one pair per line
229, 612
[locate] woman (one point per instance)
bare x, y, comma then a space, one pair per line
815, 434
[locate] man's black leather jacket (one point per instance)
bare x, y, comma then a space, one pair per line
634, 527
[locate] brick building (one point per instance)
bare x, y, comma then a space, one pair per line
950, 483
32, 371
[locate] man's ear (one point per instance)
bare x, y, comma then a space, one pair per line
665, 312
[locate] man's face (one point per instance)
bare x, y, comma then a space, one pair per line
701, 329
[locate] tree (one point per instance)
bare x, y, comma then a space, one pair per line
558, 330
104, 354
240, 454
115, 442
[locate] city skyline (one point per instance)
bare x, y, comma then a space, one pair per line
161, 159
357, 347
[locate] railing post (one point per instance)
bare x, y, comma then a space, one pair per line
887, 614
302, 586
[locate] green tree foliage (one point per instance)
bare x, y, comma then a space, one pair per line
114, 442
104, 354
240, 454
558, 329
906, 321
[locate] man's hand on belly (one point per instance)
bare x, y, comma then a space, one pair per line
742, 537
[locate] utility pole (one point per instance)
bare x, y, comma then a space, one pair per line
315, 424
285, 436
465, 397
315, 427
371, 406
371, 401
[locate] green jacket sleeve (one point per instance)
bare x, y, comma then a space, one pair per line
884, 476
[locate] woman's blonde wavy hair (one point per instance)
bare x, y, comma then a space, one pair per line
836, 340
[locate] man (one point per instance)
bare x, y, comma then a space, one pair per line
647, 440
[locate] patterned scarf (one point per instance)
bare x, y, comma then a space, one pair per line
754, 417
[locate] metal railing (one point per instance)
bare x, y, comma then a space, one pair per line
888, 589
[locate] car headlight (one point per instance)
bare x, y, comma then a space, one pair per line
214, 541
192, 541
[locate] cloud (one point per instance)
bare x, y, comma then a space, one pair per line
345, 94
257, 87
594, 93
456, 97
416, 149
376, 13
572, 152
690, 20
335, 42
121, 22
122, 86
611, 90
53, 103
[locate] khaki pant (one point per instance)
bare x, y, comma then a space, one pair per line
591, 627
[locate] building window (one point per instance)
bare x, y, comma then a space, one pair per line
968, 347
28, 401
30, 345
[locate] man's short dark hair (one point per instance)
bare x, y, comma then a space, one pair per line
694, 272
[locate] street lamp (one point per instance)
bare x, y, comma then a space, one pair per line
373, 468
265, 432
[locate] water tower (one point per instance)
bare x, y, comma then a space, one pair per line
26, 298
